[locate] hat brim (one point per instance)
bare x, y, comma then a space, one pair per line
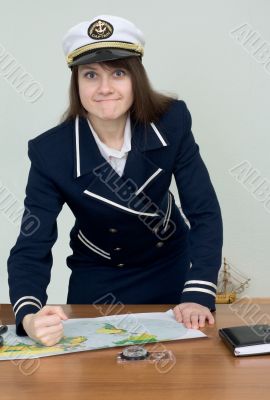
103, 55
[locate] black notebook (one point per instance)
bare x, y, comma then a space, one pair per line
247, 340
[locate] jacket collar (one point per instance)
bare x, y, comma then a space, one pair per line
87, 155
125, 193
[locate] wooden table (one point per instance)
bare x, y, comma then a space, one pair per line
203, 368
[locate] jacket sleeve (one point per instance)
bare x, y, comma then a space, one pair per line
200, 205
30, 260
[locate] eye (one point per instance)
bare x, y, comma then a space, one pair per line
91, 74
119, 72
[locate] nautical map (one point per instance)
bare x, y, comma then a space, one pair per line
84, 334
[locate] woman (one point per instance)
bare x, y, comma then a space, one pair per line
112, 160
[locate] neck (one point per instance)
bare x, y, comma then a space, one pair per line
110, 132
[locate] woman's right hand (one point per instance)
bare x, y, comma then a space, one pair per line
46, 325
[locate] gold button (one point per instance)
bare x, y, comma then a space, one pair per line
112, 230
117, 249
159, 244
120, 265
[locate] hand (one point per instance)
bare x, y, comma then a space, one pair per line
45, 326
193, 315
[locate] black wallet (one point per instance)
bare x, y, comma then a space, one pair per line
247, 340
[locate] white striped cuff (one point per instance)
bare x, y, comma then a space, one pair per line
24, 301
200, 286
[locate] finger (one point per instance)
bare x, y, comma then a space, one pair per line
194, 320
178, 314
210, 318
50, 340
202, 320
49, 337
59, 311
186, 320
53, 310
50, 330
44, 321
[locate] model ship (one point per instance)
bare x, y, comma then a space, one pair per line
231, 283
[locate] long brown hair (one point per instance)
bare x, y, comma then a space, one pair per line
148, 104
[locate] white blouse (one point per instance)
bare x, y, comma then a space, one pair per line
116, 158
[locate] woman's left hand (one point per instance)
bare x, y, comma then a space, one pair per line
193, 315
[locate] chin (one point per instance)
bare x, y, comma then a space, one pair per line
110, 117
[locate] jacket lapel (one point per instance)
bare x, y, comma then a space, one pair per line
104, 183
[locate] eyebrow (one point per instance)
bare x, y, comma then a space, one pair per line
87, 66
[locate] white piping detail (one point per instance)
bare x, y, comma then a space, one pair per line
25, 298
24, 304
148, 180
78, 168
118, 205
92, 248
167, 209
158, 134
168, 213
92, 244
201, 283
195, 289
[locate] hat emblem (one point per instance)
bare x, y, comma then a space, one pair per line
100, 30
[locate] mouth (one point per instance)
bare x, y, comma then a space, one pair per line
99, 101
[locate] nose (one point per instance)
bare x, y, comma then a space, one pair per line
105, 86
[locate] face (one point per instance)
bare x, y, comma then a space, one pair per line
105, 92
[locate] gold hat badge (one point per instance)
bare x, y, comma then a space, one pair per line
100, 30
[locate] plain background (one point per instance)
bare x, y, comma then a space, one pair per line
190, 52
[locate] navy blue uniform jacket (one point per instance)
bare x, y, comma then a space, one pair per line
129, 241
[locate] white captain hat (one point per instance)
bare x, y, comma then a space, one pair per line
104, 38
